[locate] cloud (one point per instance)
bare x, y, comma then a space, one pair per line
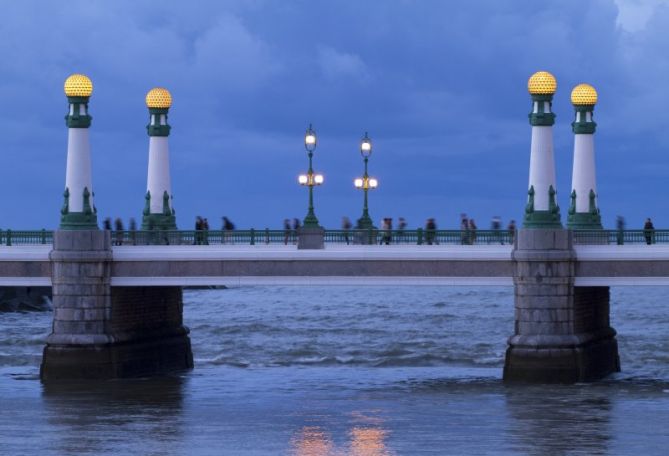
228, 56
337, 65
633, 15
442, 91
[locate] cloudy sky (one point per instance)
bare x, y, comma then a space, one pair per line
440, 86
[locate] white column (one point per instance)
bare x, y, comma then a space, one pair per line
78, 172
158, 180
583, 172
542, 165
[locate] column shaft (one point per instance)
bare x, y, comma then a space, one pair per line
78, 172
158, 179
542, 166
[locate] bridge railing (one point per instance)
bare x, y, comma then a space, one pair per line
10, 237
203, 237
352, 237
417, 237
621, 237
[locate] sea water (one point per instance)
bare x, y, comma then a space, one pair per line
345, 371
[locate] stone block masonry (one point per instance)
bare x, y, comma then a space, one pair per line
562, 332
104, 332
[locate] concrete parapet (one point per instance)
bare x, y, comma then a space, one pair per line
310, 238
104, 332
562, 332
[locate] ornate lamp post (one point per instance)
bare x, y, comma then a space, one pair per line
365, 183
158, 211
542, 210
310, 179
78, 212
584, 210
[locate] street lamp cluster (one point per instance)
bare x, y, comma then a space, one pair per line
312, 179
365, 183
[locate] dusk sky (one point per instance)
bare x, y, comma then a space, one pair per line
440, 86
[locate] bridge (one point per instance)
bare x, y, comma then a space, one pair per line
270, 257
117, 296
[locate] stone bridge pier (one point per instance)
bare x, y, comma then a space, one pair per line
562, 332
100, 331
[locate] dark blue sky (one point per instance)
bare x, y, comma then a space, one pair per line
440, 86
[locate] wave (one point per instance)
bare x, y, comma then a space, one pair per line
395, 357
23, 306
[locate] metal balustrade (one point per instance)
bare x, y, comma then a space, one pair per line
10, 237
351, 237
417, 237
621, 237
202, 237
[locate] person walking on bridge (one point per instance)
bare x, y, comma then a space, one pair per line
346, 226
401, 228
198, 230
649, 231
620, 230
431, 231
286, 231
133, 230
118, 227
472, 231
296, 228
511, 229
205, 231
228, 228
464, 229
387, 228
496, 226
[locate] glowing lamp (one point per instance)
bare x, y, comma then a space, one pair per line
310, 139
159, 97
78, 85
366, 146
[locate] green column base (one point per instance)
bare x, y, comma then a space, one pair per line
158, 222
546, 219
365, 223
584, 221
310, 221
79, 221
542, 219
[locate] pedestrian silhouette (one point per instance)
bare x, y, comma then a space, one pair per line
511, 229
228, 228
346, 226
286, 231
649, 231
118, 226
431, 231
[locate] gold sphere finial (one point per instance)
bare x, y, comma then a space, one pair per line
158, 97
583, 95
542, 83
78, 85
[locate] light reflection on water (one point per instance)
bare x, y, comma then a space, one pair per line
363, 441
312, 441
291, 371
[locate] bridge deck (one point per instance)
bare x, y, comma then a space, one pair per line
598, 265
